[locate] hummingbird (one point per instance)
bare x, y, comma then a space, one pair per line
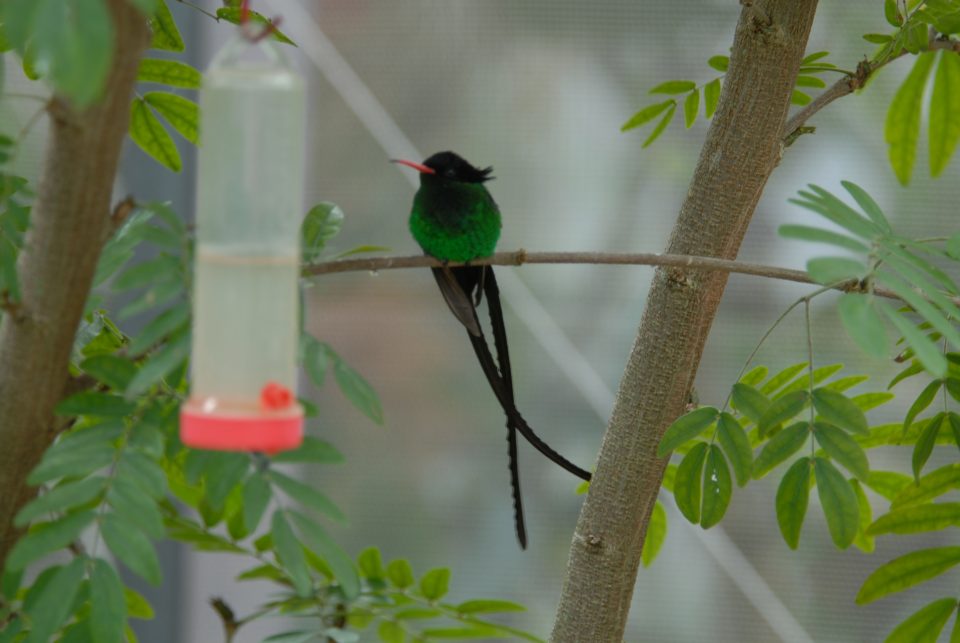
454, 219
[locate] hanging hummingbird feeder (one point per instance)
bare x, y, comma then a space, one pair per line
245, 296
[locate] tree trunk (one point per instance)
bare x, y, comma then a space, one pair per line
742, 148
56, 267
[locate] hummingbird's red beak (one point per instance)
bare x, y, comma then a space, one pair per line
419, 167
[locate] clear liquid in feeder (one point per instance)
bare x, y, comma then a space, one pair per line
245, 303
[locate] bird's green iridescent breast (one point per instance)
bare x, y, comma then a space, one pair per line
455, 221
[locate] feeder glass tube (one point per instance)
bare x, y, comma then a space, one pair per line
246, 298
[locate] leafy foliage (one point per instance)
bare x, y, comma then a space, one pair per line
889, 260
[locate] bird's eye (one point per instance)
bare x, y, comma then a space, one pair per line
450, 173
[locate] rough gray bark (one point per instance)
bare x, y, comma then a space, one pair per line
56, 267
742, 148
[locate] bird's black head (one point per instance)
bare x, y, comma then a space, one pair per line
449, 166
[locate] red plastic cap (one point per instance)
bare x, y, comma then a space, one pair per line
269, 432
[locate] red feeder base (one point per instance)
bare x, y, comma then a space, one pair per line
269, 432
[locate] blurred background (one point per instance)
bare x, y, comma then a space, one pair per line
539, 89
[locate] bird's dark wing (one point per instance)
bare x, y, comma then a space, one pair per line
458, 299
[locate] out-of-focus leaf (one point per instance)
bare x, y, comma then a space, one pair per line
656, 534
685, 428
833, 270
793, 494
108, 609
902, 129
925, 625
924, 445
720, 63
61, 498
290, 553
907, 571
914, 519
934, 484
661, 126
180, 112
233, 14
132, 547
674, 87
839, 502
711, 97
863, 323
691, 105
646, 115
149, 134
53, 604
169, 72
47, 538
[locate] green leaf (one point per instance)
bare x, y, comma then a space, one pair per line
66, 458
233, 14
166, 36
169, 72
435, 583
161, 326
136, 605
780, 447
842, 448
148, 7
391, 632
736, 444
832, 208
61, 498
925, 625
819, 235
674, 87
944, 112
646, 115
145, 472
685, 428
400, 573
656, 534
720, 63
776, 382
290, 553
149, 134
930, 486
307, 496
815, 56
902, 129
690, 108
108, 609
371, 564
833, 270
799, 98
888, 483
907, 571
863, 323
180, 112
661, 126
793, 494
755, 375
53, 604
159, 365
488, 606
68, 42
136, 507
711, 97
863, 542
839, 502
915, 519
867, 204
132, 547
315, 360
924, 445
783, 409
840, 410
357, 390
749, 401
112, 370
891, 12
324, 546
46, 538
717, 488
311, 450
256, 497
96, 404
925, 350
921, 403
161, 269
810, 81
688, 483
924, 308
222, 472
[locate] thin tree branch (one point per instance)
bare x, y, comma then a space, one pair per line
520, 257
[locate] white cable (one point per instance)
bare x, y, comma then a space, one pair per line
317, 47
